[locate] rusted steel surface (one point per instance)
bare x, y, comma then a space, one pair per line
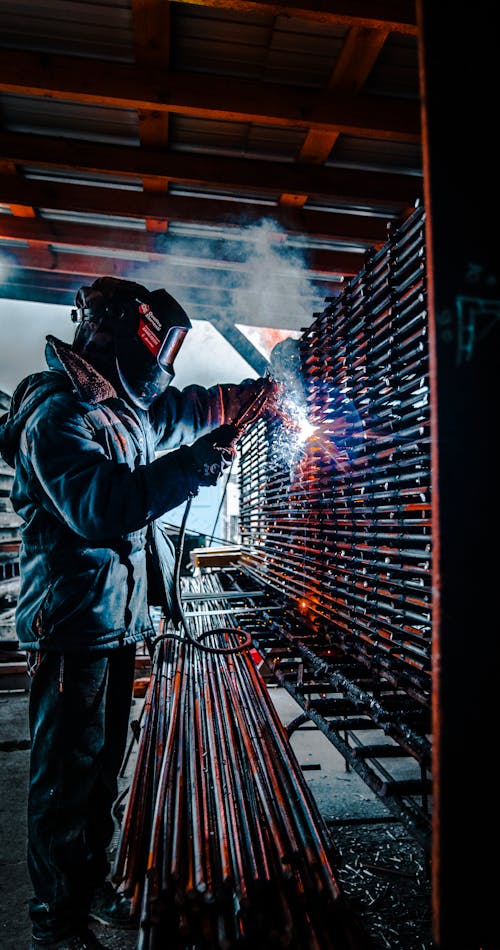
368, 711
222, 844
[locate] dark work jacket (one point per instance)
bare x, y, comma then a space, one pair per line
86, 494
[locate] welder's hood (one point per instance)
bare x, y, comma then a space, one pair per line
147, 327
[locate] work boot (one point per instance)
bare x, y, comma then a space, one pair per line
85, 940
112, 908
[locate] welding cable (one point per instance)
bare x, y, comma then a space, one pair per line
176, 589
246, 643
223, 493
258, 402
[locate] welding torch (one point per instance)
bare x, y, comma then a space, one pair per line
283, 376
263, 398
280, 387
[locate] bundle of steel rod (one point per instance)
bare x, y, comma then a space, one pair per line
341, 690
341, 523
221, 842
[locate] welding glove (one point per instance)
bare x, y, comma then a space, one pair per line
245, 402
211, 454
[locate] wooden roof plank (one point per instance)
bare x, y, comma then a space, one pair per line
151, 19
148, 245
119, 202
359, 52
119, 85
362, 188
398, 15
79, 267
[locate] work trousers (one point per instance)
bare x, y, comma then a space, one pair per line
79, 716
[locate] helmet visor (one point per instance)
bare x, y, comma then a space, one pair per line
170, 348
145, 356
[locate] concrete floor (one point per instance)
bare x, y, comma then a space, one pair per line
380, 868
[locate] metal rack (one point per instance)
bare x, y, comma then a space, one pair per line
338, 527
370, 714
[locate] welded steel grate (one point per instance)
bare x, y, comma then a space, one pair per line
341, 523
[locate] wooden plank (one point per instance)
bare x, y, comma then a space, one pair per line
398, 15
120, 202
152, 47
213, 286
185, 278
14, 667
124, 86
347, 186
210, 289
139, 244
358, 55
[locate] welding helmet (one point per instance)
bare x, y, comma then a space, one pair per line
146, 329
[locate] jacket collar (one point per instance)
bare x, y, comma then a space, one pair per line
91, 385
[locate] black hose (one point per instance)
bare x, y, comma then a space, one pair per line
178, 611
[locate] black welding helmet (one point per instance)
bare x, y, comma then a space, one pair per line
147, 329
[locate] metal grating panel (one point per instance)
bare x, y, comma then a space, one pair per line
344, 528
339, 526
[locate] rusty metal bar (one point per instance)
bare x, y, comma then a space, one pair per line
232, 850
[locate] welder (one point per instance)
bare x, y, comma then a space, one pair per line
103, 446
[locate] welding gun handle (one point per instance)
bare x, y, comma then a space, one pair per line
260, 393
211, 454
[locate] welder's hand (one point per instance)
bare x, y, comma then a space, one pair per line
211, 454
247, 401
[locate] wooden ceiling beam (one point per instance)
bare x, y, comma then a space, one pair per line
119, 202
9, 171
358, 55
62, 292
122, 86
398, 15
360, 51
363, 189
41, 231
154, 247
186, 275
151, 19
240, 304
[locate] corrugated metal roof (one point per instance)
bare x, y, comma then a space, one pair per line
396, 71
73, 120
235, 138
267, 48
236, 118
73, 27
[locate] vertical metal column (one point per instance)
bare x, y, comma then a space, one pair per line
459, 79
